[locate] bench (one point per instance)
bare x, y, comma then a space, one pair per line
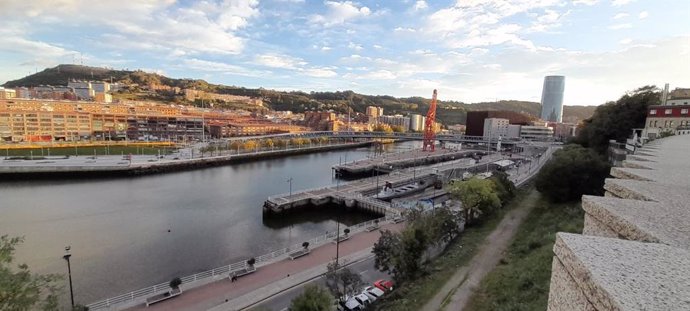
398, 220
372, 228
164, 296
241, 272
299, 253
341, 239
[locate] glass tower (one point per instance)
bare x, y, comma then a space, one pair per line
552, 98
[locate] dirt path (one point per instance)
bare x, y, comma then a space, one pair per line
457, 291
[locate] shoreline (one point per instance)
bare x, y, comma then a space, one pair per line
11, 173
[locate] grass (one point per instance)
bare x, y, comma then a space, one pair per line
413, 295
521, 280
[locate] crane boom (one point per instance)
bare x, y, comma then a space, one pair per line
429, 134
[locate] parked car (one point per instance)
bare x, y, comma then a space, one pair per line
351, 304
363, 299
375, 291
384, 285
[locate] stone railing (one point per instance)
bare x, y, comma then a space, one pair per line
634, 253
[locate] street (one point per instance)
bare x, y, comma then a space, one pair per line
280, 302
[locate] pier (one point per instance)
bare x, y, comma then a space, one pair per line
389, 162
361, 193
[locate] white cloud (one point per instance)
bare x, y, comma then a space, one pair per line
326, 48
620, 2
643, 14
620, 26
621, 15
585, 2
279, 61
376, 46
625, 41
212, 66
339, 13
420, 5
354, 46
372, 75
404, 29
320, 72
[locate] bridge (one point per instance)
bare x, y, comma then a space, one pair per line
453, 138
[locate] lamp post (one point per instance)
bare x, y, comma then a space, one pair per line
69, 273
290, 182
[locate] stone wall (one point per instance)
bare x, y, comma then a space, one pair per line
634, 253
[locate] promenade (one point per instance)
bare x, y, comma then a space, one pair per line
270, 279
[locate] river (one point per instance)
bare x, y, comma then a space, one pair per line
129, 233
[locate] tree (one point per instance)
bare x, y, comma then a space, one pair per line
342, 281
478, 196
615, 120
385, 250
381, 127
504, 187
398, 129
313, 298
305, 245
572, 172
346, 231
175, 283
251, 261
19, 288
249, 145
236, 145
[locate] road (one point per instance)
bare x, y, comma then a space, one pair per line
282, 301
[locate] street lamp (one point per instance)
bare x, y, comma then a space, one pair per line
69, 273
290, 182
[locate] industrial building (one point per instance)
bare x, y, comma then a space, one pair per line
475, 120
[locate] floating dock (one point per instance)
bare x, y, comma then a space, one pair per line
361, 193
389, 162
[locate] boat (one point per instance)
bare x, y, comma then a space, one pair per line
389, 192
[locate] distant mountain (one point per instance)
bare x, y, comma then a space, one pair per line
448, 112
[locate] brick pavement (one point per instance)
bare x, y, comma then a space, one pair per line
216, 293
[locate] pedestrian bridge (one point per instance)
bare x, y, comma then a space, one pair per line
453, 138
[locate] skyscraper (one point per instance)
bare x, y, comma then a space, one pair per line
552, 98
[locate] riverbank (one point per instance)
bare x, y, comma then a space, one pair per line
117, 166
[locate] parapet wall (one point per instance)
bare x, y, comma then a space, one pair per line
634, 253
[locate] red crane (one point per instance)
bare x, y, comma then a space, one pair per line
429, 134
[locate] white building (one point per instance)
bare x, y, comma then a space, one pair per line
417, 122
536, 132
495, 127
513, 131
100, 87
396, 120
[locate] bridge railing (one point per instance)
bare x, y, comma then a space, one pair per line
198, 279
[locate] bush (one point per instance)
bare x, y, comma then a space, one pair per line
572, 172
175, 283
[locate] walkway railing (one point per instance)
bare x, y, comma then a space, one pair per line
139, 296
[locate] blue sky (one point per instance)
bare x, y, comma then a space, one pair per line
470, 50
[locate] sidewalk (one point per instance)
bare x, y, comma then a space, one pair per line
270, 279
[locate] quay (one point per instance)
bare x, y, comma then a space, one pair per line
404, 159
361, 193
117, 166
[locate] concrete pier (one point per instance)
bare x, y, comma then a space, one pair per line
361, 193
389, 162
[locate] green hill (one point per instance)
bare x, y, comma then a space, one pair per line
448, 112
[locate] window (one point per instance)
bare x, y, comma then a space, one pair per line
668, 111
653, 111
684, 111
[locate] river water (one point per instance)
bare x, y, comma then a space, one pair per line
129, 233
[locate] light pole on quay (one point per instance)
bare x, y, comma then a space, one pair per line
69, 273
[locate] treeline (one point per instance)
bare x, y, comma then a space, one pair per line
582, 166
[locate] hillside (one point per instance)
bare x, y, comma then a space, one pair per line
449, 112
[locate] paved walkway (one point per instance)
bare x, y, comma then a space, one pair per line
286, 273
457, 291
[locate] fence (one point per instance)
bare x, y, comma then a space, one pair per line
202, 278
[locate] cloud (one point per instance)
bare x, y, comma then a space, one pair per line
354, 46
279, 61
420, 5
621, 15
620, 2
213, 66
625, 41
643, 14
155, 25
338, 13
585, 2
620, 26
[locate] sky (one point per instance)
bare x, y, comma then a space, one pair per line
470, 50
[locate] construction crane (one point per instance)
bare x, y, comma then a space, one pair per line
429, 134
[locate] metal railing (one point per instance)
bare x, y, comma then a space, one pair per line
202, 278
